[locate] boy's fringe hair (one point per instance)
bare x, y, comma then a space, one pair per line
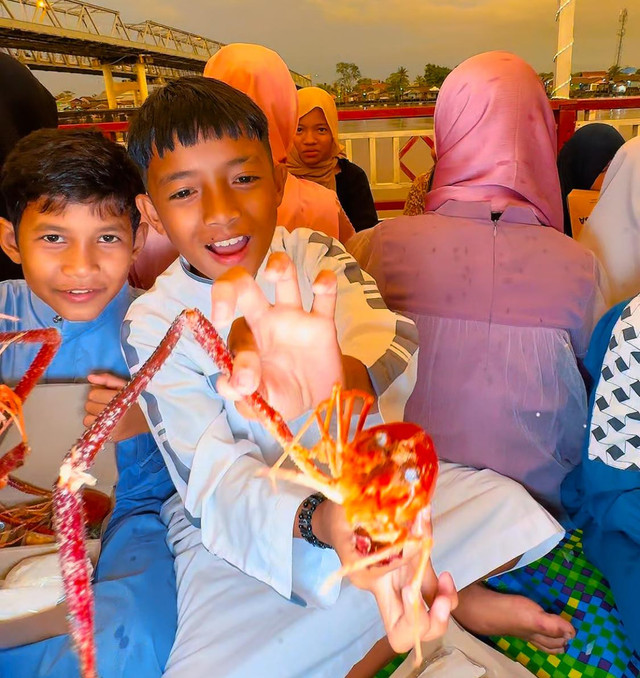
189, 109
54, 167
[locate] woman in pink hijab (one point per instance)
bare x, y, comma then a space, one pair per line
504, 302
262, 75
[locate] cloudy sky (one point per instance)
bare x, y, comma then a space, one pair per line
381, 35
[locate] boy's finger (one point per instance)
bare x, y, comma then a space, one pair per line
282, 272
325, 290
246, 374
101, 395
241, 337
88, 420
226, 391
234, 288
93, 407
107, 380
447, 588
440, 613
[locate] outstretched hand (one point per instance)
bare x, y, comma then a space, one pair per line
402, 606
291, 356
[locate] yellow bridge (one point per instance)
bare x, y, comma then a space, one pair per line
76, 37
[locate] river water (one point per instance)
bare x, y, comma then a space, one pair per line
385, 125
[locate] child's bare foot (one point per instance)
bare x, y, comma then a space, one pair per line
489, 613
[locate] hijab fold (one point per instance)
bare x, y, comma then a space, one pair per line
324, 172
496, 139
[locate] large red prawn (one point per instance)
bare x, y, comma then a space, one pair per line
384, 476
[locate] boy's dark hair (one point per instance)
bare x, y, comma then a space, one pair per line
59, 167
190, 108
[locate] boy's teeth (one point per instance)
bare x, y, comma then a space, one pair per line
79, 291
228, 243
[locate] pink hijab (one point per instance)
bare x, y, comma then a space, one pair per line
478, 101
263, 76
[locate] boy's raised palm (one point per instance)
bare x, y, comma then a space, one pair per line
290, 355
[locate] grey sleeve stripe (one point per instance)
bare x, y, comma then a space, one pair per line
196, 522
376, 302
386, 370
130, 353
407, 335
156, 420
391, 365
133, 359
352, 270
333, 250
354, 273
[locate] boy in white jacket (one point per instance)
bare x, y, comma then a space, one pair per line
242, 561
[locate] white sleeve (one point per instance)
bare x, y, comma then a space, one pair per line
384, 341
243, 518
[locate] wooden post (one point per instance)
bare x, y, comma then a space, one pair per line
565, 16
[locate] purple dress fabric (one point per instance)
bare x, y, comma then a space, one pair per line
503, 309
504, 305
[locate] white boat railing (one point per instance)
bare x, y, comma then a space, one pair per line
391, 159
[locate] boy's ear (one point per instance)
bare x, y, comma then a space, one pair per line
8, 241
280, 175
148, 212
140, 239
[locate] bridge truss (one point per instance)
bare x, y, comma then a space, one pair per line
78, 37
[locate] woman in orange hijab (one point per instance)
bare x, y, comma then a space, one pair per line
263, 76
318, 156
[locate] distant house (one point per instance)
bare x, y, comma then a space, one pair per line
633, 88
376, 91
64, 99
593, 74
591, 81
419, 93
82, 103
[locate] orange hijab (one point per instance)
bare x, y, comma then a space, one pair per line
324, 173
263, 76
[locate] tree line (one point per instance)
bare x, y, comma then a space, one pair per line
349, 81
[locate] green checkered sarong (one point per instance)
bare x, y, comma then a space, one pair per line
564, 582
391, 667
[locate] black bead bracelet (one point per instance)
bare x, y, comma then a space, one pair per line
309, 505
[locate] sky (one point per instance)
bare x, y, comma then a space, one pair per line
382, 35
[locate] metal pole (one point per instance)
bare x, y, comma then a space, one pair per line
142, 80
109, 86
565, 16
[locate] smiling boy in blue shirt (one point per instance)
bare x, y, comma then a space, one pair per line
74, 227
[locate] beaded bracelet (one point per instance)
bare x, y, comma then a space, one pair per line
309, 505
